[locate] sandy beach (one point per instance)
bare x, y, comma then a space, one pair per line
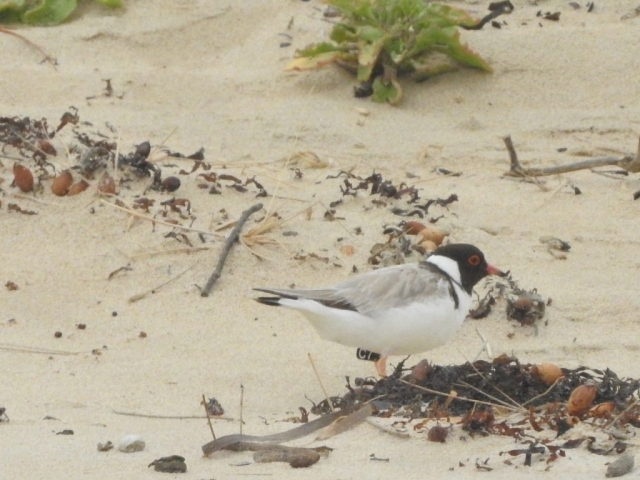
188, 75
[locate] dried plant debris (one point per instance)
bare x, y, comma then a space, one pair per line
213, 407
214, 183
170, 464
31, 138
502, 382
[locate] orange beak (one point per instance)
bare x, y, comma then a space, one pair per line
491, 270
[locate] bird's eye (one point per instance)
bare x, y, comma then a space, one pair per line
474, 260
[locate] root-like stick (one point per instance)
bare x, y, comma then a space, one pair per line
464, 399
169, 417
140, 296
27, 349
627, 163
231, 239
47, 57
204, 403
315, 370
615, 420
543, 393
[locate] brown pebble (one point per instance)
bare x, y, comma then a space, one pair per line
81, 326
547, 373
432, 234
420, 371
438, 434
142, 335
77, 188
413, 228
581, 398
107, 184
171, 184
61, 183
57, 334
22, 177
602, 410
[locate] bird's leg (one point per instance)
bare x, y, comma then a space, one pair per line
381, 365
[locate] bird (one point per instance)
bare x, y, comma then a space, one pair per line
399, 310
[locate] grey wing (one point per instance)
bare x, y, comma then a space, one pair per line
375, 291
325, 296
392, 287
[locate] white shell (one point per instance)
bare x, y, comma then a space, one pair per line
131, 443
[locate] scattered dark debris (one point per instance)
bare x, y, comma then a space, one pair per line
484, 306
237, 183
590, 6
3, 415
126, 268
299, 256
636, 195
65, 432
213, 407
554, 17
14, 207
534, 448
170, 464
379, 186
526, 307
483, 466
374, 458
11, 286
81, 326
108, 92
58, 334
504, 378
447, 172
198, 156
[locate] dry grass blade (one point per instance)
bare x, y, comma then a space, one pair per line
132, 212
464, 399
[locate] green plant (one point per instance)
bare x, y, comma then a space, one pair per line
380, 40
43, 12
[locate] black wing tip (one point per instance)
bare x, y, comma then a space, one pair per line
271, 301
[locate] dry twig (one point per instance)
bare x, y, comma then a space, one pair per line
628, 163
47, 57
231, 239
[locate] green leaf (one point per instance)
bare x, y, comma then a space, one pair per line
316, 61
10, 10
49, 12
111, 3
390, 93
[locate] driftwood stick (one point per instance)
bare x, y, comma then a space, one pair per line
627, 163
47, 57
231, 239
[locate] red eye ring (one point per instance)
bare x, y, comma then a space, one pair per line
474, 260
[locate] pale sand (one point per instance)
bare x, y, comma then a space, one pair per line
215, 71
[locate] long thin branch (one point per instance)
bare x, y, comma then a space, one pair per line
231, 239
47, 57
627, 163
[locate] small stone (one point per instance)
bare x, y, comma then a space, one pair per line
131, 443
105, 447
57, 334
621, 466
